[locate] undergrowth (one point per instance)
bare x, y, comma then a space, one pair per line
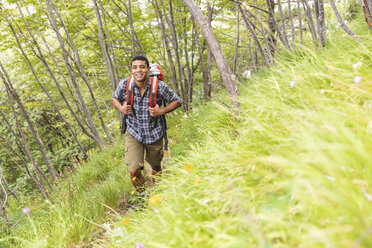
292, 170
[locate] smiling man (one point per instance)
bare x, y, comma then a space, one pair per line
145, 125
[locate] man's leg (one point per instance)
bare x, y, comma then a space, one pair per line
134, 157
154, 156
137, 180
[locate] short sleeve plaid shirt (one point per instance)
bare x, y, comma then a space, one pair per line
140, 124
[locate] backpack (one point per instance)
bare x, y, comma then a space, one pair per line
155, 74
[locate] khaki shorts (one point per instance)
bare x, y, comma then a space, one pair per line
134, 153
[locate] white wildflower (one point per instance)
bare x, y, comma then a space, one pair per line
331, 178
357, 65
247, 74
292, 84
368, 196
357, 79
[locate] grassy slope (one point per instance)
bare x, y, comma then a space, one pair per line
293, 170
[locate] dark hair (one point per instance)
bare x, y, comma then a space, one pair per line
142, 58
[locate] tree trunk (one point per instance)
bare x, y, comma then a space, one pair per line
71, 73
221, 61
300, 21
282, 20
3, 213
270, 5
173, 73
12, 94
24, 112
310, 21
321, 20
201, 54
237, 42
292, 24
43, 60
11, 192
272, 28
131, 28
250, 29
189, 76
367, 11
341, 22
102, 42
22, 149
176, 50
254, 66
267, 42
208, 86
17, 153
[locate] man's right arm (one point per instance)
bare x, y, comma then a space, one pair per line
123, 108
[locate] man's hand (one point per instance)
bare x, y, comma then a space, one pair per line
156, 111
126, 109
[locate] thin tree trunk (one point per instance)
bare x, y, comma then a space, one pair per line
19, 155
11, 93
310, 21
83, 76
292, 24
203, 69
11, 192
71, 73
3, 203
173, 74
255, 38
271, 28
299, 9
3, 213
270, 5
341, 22
367, 11
208, 87
322, 27
284, 30
32, 129
43, 60
267, 42
188, 77
176, 50
251, 53
22, 149
102, 42
237, 42
131, 28
221, 61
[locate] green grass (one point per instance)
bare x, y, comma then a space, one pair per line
293, 170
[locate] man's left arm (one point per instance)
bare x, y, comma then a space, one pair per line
169, 96
157, 111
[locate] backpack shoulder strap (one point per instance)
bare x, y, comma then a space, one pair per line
154, 91
130, 84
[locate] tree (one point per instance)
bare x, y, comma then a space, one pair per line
220, 59
341, 22
367, 11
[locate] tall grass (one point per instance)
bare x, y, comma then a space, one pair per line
292, 170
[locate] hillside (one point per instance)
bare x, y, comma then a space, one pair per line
294, 169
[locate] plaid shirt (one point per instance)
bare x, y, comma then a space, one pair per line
140, 124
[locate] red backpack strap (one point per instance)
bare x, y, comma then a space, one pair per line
130, 95
161, 75
154, 91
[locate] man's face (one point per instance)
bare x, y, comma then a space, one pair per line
140, 71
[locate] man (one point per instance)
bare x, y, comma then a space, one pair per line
145, 127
